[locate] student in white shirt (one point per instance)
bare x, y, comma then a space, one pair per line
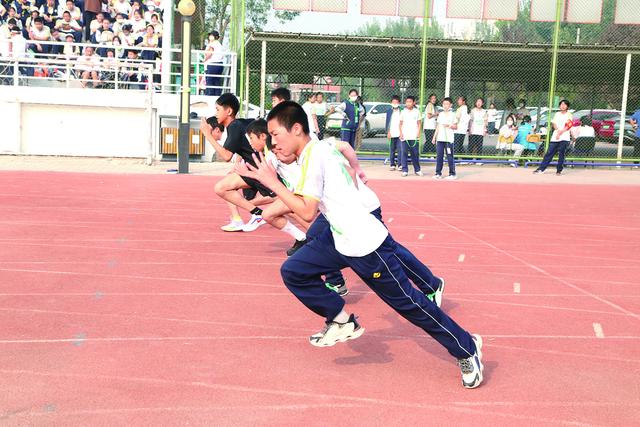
88, 66
355, 239
444, 138
320, 109
492, 119
393, 134
478, 127
462, 124
409, 131
308, 108
562, 123
430, 116
214, 63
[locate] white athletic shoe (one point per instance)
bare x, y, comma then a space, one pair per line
335, 332
405, 173
472, 367
253, 224
233, 226
437, 176
419, 173
452, 177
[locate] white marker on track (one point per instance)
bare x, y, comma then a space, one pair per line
390, 220
516, 288
597, 328
461, 258
421, 236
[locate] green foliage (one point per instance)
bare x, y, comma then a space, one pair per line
400, 28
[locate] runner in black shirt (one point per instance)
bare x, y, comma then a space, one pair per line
227, 106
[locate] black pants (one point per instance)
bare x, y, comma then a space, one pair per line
458, 142
443, 148
636, 148
475, 144
559, 147
322, 122
428, 146
87, 17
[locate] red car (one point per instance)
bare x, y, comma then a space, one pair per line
603, 121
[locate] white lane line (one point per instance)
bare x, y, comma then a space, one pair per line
597, 328
421, 236
390, 220
461, 258
516, 288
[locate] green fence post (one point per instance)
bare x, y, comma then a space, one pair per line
423, 67
554, 71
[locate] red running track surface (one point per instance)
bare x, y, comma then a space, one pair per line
122, 303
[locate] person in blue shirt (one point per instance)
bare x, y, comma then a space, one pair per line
635, 122
525, 129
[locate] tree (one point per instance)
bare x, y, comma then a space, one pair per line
216, 15
401, 28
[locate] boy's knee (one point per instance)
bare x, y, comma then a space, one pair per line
287, 271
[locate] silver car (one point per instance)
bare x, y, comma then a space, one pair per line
375, 120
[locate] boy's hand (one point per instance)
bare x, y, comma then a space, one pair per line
205, 127
264, 172
362, 175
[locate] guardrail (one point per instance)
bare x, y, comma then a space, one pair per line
58, 65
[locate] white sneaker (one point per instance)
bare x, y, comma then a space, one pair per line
472, 367
233, 226
452, 177
392, 168
436, 297
436, 176
335, 332
253, 224
405, 174
419, 173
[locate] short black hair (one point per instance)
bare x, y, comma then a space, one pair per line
288, 114
565, 102
213, 122
259, 127
395, 98
526, 119
107, 18
448, 99
320, 94
66, 12
586, 121
38, 19
353, 90
215, 34
464, 99
281, 93
411, 97
229, 100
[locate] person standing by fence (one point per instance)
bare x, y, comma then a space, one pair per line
409, 131
321, 114
478, 129
562, 123
462, 123
353, 113
214, 63
635, 122
430, 116
443, 139
393, 134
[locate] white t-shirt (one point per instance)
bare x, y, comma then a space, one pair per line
394, 124
217, 57
430, 123
493, 113
289, 173
478, 118
122, 7
410, 119
560, 120
320, 108
88, 63
308, 108
445, 134
584, 132
462, 116
325, 178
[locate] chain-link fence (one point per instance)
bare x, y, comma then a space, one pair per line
504, 64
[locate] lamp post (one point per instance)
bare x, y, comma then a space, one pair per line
186, 8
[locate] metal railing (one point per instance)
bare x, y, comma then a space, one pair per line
58, 66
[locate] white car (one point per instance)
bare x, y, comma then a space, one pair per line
375, 120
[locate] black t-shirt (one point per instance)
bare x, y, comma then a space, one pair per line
237, 142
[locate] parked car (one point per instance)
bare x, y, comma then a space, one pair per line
375, 120
603, 122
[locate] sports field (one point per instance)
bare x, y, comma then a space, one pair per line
122, 303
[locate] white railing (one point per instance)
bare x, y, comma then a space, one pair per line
59, 69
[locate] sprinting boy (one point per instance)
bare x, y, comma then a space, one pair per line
443, 140
409, 130
227, 106
355, 239
393, 134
